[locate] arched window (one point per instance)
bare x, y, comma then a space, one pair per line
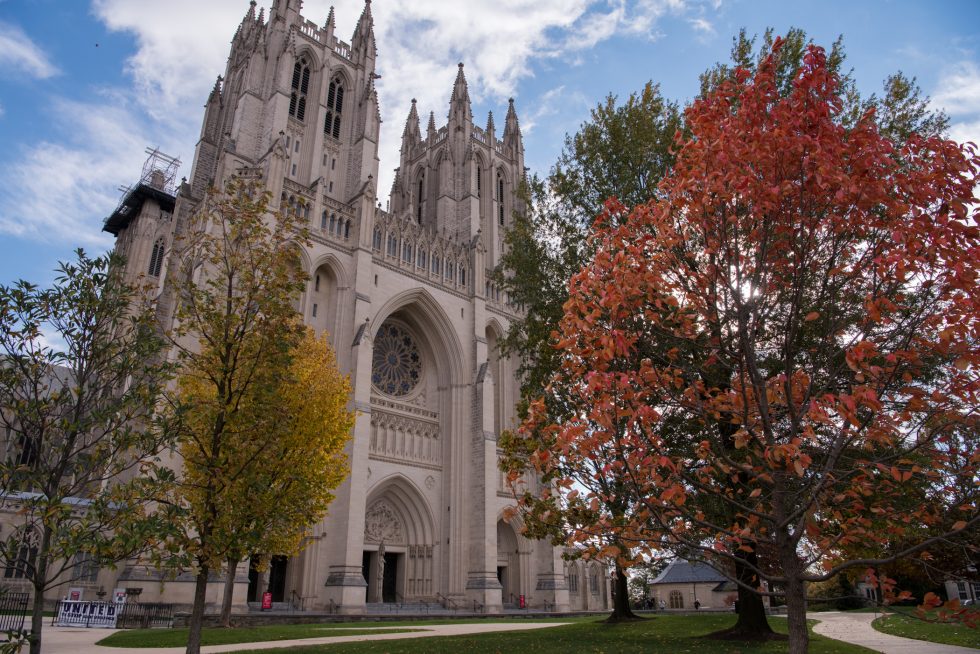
421, 260
450, 270
347, 230
300, 87
392, 245
418, 199
479, 183
462, 276
436, 264
500, 198
572, 580
22, 564
156, 259
323, 219
377, 239
333, 222
594, 581
335, 106
407, 252
676, 599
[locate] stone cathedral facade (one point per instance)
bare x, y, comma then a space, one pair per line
405, 296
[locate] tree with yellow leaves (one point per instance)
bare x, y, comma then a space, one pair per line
245, 394
271, 507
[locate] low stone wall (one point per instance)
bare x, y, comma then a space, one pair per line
258, 619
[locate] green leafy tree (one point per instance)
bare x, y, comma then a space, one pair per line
81, 371
235, 335
623, 151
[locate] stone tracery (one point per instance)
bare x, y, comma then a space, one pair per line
397, 364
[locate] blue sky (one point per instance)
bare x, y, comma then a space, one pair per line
86, 86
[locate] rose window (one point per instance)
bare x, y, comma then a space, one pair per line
397, 365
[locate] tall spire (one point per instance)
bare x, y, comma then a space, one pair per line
431, 129
363, 39
331, 21
412, 122
490, 126
512, 130
459, 104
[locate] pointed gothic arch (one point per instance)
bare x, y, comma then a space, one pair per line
398, 516
421, 311
326, 289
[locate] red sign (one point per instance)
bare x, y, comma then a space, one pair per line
266, 601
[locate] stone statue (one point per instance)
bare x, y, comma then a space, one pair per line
381, 571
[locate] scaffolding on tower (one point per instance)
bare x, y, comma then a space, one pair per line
157, 181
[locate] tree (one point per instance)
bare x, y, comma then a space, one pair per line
550, 245
81, 368
830, 273
623, 151
288, 486
235, 333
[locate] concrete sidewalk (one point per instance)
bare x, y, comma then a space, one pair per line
73, 640
855, 628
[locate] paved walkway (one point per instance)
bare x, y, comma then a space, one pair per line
855, 628
72, 640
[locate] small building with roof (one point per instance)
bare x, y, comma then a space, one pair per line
684, 583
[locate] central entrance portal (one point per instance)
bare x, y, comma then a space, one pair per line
388, 589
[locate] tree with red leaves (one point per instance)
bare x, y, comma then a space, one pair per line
762, 366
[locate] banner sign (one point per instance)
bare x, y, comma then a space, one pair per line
87, 614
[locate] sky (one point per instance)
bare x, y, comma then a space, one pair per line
85, 87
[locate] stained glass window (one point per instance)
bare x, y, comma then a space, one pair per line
397, 364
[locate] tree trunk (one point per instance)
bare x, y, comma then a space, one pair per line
229, 593
799, 637
621, 598
37, 616
197, 613
38, 580
752, 622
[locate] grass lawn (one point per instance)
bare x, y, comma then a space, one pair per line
178, 637
680, 634
911, 627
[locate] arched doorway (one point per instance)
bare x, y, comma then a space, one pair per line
508, 563
398, 543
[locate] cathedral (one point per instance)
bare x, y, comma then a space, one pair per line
406, 298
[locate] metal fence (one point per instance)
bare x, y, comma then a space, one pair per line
13, 611
146, 616
129, 615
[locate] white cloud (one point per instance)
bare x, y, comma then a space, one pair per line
19, 53
958, 89
546, 105
958, 93
702, 25
53, 192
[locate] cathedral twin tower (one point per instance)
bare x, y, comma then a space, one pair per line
410, 309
